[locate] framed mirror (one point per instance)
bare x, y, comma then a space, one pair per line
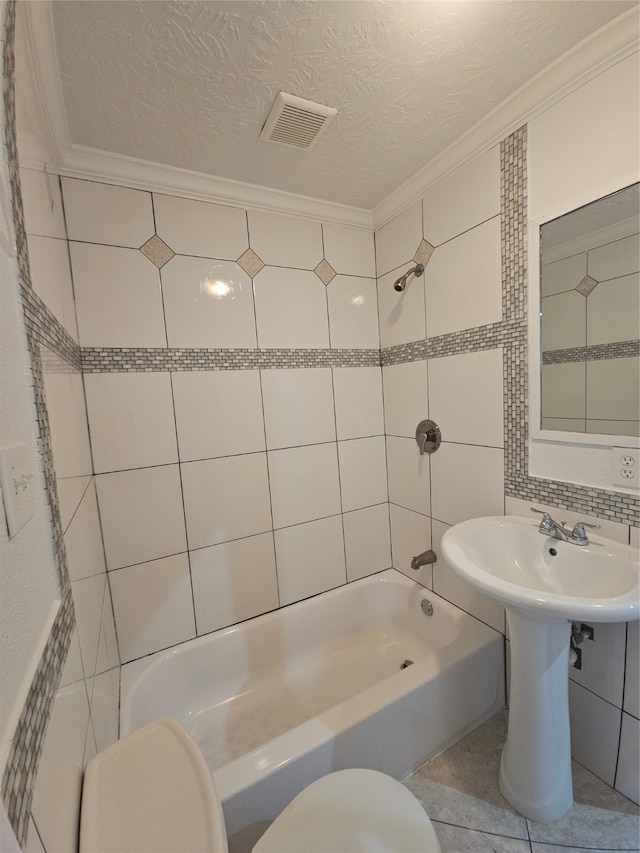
590, 318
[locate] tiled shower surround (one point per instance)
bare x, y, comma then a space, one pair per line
253, 446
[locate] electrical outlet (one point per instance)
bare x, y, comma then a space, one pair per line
625, 467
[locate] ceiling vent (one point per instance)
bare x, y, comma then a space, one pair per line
296, 122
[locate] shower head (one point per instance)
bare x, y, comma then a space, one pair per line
401, 282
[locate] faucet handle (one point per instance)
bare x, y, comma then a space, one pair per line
546, 522
584, 524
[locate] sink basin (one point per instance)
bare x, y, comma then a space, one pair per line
508, 559
544, 584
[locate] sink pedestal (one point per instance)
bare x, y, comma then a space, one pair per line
535, 771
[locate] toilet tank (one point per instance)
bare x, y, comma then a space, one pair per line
151, 792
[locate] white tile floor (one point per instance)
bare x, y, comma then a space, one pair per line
459, 790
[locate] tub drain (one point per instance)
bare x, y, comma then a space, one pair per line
405, 663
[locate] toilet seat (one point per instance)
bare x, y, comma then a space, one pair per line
351, 811
152, 792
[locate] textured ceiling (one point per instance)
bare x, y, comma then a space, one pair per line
189, 84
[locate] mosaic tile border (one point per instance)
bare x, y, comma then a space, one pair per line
595, 352
122, 360
455, 343
42, 328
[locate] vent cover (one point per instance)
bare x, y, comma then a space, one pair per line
296, 122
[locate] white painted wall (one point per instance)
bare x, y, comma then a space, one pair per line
582, 148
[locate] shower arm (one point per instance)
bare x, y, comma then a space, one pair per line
401, 282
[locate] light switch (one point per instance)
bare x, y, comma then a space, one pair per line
16, 480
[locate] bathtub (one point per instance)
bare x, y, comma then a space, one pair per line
325, 684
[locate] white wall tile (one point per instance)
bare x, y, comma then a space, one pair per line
304, 483
564, 321
199, 316
402, 315
72, 670
131, 420
88, 595
353, 313
298, 406
83, 539
285, 241
632, 670
191, 227
464, 281
613, 311
563, 275
604, 379
367, 541
410, 536
70, 492
118, 298
142, 514
590, 714
226, 499
68, 424
409, 475
398, 240
104, 711
101, 213
405, 397
451, 586
564, 390
42, 202
627, 777
108, 659
363, 472
152, 605
51, 279
358, 401
218, 413
291, 309
233, 581
310, 559
465, 198
466, 482
603, 662
612, 260
349, 250
466, 397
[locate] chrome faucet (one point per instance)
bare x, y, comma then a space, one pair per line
556, 530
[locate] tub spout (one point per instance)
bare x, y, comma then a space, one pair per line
423, 559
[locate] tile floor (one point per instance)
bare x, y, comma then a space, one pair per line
459, 790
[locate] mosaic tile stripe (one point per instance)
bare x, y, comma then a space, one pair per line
468, 340
45, 328
117, 360
19, 776
617, 506
595, 352
41, 327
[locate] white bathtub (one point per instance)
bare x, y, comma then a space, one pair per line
278, 701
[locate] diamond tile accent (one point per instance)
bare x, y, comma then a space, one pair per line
250, 263
157, 251
587, 285
423, 253
325, 272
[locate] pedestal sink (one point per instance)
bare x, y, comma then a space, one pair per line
545, 584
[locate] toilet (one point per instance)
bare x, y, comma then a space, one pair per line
152, 792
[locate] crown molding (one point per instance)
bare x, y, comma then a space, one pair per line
36, 23
594, 55
587, 60
94, 165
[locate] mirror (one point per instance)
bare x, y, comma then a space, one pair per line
590, 316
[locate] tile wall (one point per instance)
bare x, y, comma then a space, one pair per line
234, 401
453, 350
84, 716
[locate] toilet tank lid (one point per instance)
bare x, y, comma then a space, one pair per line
151, 792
